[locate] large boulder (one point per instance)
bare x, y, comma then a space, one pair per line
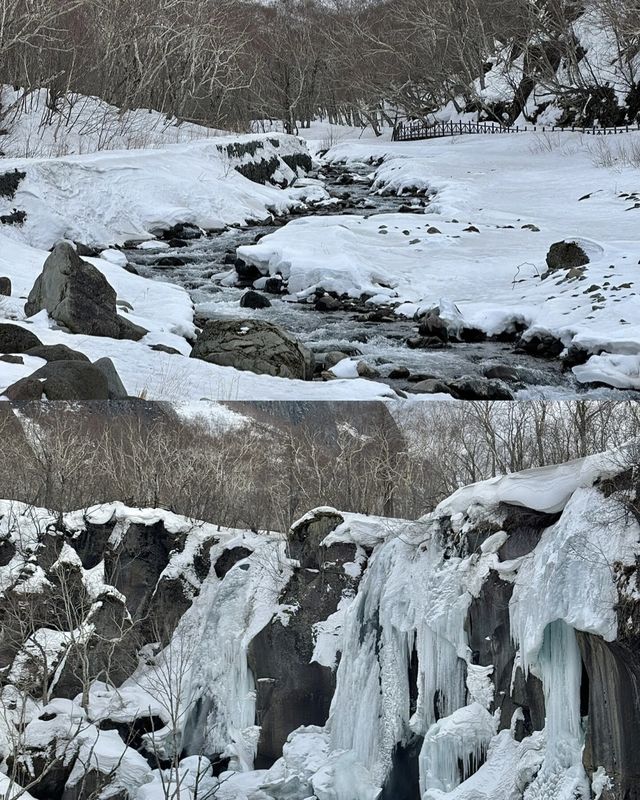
566, 255
117, 390
254, 345
62, 380
78, 296
15, 339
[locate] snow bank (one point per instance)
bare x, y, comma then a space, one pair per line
109, 197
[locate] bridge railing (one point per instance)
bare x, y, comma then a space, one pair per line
412, 130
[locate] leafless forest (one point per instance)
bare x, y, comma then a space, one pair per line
266, 474
227, 62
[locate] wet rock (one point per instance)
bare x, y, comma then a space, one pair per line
432, 325
328, 303
425, 343
502, 373
430, 386
366, 371
56, 352
274, 285
575, 356
565, 255
253, 299
247, 273
254, 345
170, 261
334, 357
5, 287
541, 345
399, 374
78, 296
183, 230
16, 339
469, 388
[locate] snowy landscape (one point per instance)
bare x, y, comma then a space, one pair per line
319, 400
327, 260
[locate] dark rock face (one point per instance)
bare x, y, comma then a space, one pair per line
135, 564
254, 345
292, 691
5, 287
15, 339
612, 700
229, 559
566, 255
490, 640
254, 300
78, 296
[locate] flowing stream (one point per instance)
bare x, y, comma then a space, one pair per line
382, 344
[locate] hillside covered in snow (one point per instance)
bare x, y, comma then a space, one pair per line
487, 651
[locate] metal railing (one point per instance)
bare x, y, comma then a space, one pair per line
413, 130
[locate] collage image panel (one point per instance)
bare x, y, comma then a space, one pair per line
319, 400
260, 600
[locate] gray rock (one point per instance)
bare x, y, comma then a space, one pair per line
565, 255
469, 388
78, 296
25, 390
117, 390
57, 352
328, 303
254, 345
164, 348
5, 287
430, 386
367, 371
15, 339
12, 359
73, 380
334, 357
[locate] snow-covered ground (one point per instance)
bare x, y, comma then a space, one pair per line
498, 203
107, 198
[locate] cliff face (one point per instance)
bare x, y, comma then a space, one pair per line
488, 650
